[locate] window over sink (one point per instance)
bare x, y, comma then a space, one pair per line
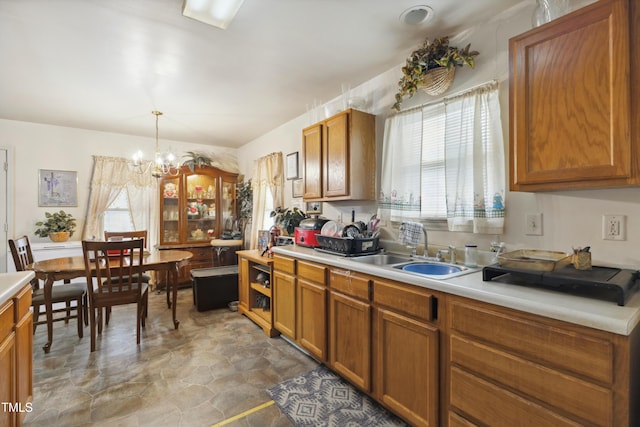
443, 162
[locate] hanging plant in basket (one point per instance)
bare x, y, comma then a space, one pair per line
432, 67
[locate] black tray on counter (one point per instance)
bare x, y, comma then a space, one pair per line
348, 246
607, 283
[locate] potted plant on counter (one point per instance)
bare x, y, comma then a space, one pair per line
287, 219
58, 226
432, 67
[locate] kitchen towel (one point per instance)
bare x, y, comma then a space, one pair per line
410, 233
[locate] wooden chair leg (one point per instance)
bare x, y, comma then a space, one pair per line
79, 319
85, 310
138, 320
36, 315
92, 321
99, 320
68, 305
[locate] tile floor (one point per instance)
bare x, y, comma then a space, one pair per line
216, 365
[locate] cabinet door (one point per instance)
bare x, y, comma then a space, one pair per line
570, 104
201, 199
407, 367
312, 162
7, 362
170, 210
24, 349
350, 339
335, 167
243, 284
284, 304
228, 205
312, 328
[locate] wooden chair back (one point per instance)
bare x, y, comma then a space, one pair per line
114, 277
116, 268
120, 235
22, 255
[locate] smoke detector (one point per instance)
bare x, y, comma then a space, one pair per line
417, 15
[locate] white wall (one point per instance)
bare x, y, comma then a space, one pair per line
570, 218
39, 146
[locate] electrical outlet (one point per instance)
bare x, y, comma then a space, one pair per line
614, 227
533, 224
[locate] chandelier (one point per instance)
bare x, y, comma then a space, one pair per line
164, 164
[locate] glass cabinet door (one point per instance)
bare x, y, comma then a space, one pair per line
200, 211
170, 209
228, 207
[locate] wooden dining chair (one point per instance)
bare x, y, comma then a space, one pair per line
64, 293
121, 235
114, 271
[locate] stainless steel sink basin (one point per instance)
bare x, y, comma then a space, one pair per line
438, 270
381, 259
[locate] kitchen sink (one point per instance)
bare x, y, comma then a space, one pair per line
439, 270
381, 259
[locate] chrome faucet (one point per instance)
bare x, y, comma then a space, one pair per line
425, 254
451, 252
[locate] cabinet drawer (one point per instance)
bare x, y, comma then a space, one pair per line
7, 319
456, 420
284, 265
576, 396
23, 302
484, 401
410, 300
350, 283
201, 254
312, 272
564, 349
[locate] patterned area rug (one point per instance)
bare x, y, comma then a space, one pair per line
321, 398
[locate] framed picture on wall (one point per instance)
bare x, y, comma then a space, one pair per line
292, 166
296, 188
57, 188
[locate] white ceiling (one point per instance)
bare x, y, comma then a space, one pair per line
106, 64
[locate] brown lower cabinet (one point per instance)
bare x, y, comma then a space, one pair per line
300, 300
350, 327
506, 366
436, 359
16, 357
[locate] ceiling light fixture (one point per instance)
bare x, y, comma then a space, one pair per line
417, 15
165, 163
218, 13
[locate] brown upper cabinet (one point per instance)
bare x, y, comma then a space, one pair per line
573, 100
339, 158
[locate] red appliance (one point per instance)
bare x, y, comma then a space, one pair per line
305, 233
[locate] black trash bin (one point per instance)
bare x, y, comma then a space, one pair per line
214, 287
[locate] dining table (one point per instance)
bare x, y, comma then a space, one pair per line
67, 268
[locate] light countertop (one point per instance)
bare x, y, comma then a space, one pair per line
584, 311
11, 283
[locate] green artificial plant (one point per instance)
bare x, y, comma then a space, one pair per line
55, 223
432, 54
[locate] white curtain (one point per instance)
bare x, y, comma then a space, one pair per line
268, 174
443, 164
400, 187
474, 161
112, 175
